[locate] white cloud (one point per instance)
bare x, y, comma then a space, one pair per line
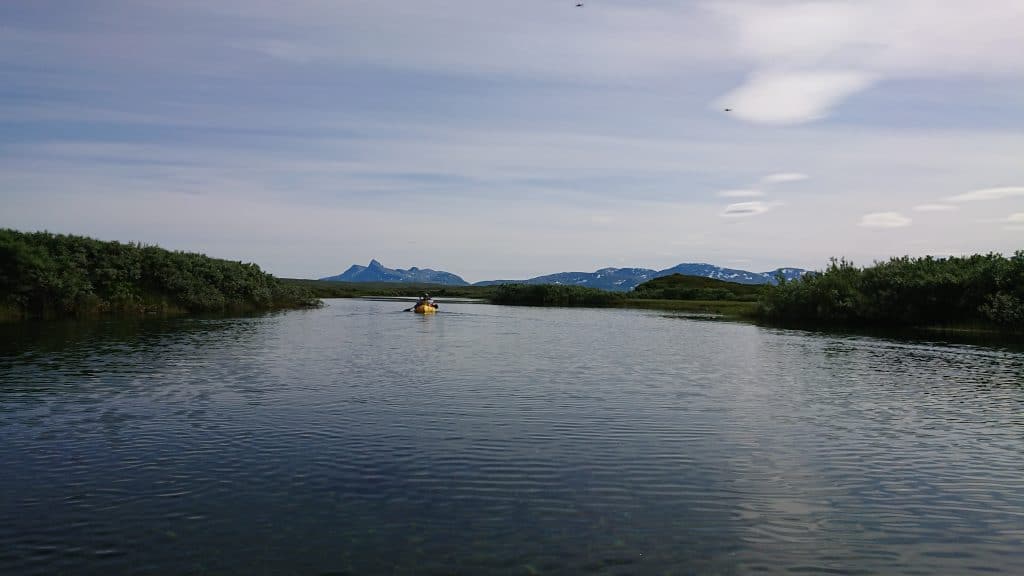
884, 220
792, 97
740, 193
1017, 218
742, 209
782, 177
936, 208
988, 194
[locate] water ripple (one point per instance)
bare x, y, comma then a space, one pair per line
349, 440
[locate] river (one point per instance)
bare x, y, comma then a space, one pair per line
358, 439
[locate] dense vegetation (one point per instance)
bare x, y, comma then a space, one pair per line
43, 274
969, 291
681, 287
554, 295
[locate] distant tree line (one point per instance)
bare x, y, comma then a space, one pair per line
554, 295
974, 290
336, 289
672, 287
44, 274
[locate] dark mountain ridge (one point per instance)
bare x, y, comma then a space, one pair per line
376, 272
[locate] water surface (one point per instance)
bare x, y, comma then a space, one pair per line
356, 439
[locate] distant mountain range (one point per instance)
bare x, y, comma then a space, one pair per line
619, 279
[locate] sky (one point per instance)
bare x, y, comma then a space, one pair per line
514, 139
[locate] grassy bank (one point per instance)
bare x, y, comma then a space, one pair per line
45, 275
732, 309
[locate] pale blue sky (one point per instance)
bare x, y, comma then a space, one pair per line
508, 140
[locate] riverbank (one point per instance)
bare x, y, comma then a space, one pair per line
528, 295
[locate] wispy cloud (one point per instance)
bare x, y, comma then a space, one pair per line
884, 220
781, 177
740, 193
290, 52
1014, 222
988, 194
944, 252
743, 209
936, 208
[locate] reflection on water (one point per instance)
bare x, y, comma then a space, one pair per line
356, 439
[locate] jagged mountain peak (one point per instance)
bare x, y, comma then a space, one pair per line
377, 272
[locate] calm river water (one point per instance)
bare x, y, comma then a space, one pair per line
357, 439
